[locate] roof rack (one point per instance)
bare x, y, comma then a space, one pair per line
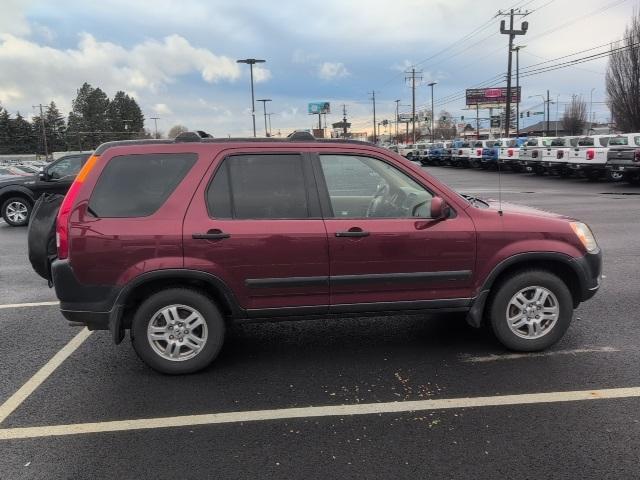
199, 136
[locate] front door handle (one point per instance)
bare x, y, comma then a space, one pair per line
353, 232
214, 234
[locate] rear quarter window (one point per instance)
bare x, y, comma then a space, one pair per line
138, 185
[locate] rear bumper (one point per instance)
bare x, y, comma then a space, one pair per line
92, 305
623, 166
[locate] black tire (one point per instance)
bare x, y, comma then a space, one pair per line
508, 288
7, 215
613, 176
178, 296
539, 170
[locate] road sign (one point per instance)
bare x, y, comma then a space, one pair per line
404, 117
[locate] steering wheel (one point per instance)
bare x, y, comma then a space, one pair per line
414, 210
378, 199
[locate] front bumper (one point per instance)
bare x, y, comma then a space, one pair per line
589, 269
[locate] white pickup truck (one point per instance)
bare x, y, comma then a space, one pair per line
509, 155
589, 156
460, 155
477, 146
531, 153
556, 156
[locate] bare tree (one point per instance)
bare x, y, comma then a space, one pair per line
623, 79
176, 130
575, 116
445, 128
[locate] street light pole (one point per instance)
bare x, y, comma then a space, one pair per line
251, 62
155, 122
264, 107
432, 120
517, 50
397, 119
590, 123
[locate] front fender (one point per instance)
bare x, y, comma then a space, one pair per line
17, 189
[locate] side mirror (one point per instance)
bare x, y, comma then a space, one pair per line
43, 175
439, 209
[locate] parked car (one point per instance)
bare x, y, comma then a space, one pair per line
174, 240
477, 147
18, 193
531, 154
623, 158
435, 154
407, 151
589, 156
509, 154
12, 171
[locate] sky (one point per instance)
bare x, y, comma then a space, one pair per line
178, 58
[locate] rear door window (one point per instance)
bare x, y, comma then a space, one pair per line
138, 185
266, 186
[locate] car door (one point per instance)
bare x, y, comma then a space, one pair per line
59, 175
383, 246
256, 224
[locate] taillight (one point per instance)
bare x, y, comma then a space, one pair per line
479, 152
534, 154
560, 154
636, 155
510, 152
591, 153
64, 214
459, 152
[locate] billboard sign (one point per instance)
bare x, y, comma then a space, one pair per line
314, 108
498, 95
404, 117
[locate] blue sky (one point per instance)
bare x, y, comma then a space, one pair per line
178, 58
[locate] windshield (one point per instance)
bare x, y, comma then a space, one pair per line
533, 142
558, 142
585, 142
478, 144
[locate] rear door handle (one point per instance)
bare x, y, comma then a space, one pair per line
211, 235
353, 232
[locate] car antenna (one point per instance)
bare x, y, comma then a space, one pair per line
499, 185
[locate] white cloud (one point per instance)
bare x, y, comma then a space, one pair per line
162, 109
31, 71
331, 70
261, 74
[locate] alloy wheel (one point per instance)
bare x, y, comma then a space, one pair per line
532, 312
177, 332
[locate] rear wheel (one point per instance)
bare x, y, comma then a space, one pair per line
613, 176
177, 331
531, 310
593, 175
16, 211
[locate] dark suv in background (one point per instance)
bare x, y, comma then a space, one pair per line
19, 193
175, 239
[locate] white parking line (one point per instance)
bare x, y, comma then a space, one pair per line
13, 402
515, 356
314, 412
32, 304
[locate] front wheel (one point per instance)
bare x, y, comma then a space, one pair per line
177, 331
16, 211
531, 310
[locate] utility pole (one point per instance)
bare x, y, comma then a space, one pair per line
590, 123
432, 120
251, 62
344, 121
373, 99
517, 50
548, 111
512, 34
413, 78
264, 108
477, 122
155, 122
269, 115
397, 118
44, 131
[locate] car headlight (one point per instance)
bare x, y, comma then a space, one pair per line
584, 233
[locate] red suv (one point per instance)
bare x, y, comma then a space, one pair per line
175, 239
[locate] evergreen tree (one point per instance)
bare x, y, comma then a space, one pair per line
56, 127
5, 132
88, 124
124, 116
22, 138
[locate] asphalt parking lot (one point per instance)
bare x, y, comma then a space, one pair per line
425, 397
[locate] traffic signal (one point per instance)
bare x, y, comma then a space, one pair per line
528, 114
462, 118
521, 115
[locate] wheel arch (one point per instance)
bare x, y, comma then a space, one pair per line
146, 284
16, 191
559, 264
